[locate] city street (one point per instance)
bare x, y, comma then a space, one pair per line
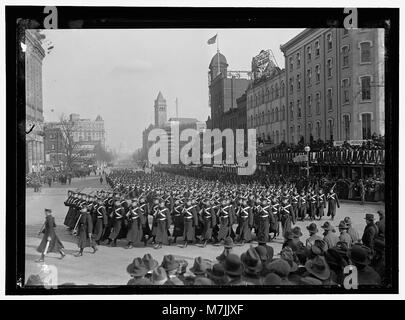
108, 265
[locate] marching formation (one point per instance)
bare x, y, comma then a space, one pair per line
160, 207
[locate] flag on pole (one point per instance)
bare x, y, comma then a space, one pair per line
212, 40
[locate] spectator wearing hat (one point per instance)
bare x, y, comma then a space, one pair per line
370, 232
217, 274
150, 264
337, 260
272, 279
252, 266
313, 230
263, 254
378, 261
351, 231
281, 268
329, 235
137, 271
171, 267
200, 267
381, 223
228, 245
201, 281
159, 276
302, 255
269, 249
344, 236
233, 269
318, 268
360, 256
50, 241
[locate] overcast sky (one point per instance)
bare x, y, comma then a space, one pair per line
118, 73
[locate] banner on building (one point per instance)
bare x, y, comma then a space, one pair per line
262, 64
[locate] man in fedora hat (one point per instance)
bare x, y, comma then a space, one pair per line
159, 276
313, 230
150, 264
351, 231
137, 271
252, 266
344, 236
370, 232
329, 235
200, 267
228, 245
50, 241
233, 269
381, 223
171, 267
319, 269
217, 274
360, 256
281, 268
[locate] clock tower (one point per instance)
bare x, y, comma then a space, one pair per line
160, 111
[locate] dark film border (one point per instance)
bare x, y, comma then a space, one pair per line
70, 17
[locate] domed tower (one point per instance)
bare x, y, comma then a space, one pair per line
218, 65
160, 110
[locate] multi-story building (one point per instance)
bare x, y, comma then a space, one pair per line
224, 88
335, 84
54, 146
34, 55
266, 106
87, 136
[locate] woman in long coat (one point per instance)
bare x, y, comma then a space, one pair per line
136, 220
50, 241
84, 232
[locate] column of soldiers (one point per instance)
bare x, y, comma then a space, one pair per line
159, 208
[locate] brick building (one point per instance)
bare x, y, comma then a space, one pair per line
335, 84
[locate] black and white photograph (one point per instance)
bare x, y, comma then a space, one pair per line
171, 154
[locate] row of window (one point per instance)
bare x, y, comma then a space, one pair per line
365, 123
267, 117
267, 95
364, 46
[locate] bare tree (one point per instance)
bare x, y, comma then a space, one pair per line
71, 147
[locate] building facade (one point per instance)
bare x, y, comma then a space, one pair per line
266, 107
54, 146
334, 84
224, 88
34, 55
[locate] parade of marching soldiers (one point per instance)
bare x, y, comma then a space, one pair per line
162, 208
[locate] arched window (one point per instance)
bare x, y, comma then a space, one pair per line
272, 115
262, 97
251, 120
291, 110
277, 93
310, 136
272, 92
330, 129
277, 137
276, 114
262, 117
318, 130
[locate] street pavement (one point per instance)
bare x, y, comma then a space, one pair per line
108, 265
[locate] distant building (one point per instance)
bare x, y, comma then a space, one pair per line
54, 145
34, 55
88, 135
224, 88
335, 84
160, 111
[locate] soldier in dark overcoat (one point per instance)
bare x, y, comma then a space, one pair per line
245, 223
69, 218
101, 221
190, 221
118, 216
161, 223
136, 220
320, 204
208, 220
84, 227
333, 202
50, 241
224, 222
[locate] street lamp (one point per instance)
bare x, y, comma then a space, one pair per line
307, 150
